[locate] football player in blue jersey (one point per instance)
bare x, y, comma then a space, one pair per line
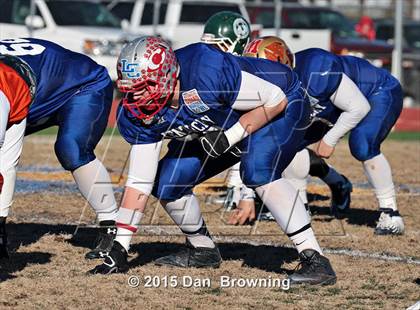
349, 95
75, 94
230, 32
216, 109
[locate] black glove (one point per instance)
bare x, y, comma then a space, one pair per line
215, 143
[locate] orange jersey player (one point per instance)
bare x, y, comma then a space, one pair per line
17, 85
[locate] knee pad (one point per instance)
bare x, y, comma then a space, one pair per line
318, 166
298, 167
70, 154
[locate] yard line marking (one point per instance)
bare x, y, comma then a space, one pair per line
334, 251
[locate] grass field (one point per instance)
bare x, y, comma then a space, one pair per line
50, 230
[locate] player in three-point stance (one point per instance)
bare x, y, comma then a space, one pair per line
230, 32
75, 94
217, 109
350, 96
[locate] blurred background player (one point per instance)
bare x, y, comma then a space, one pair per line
196, 98
75, 94
230, 32
351, 96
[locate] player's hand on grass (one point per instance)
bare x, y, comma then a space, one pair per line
243, 213
215, 143
324, 150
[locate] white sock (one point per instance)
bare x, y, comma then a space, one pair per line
284, 203
304, 240
378, 172
200, 241
297, 173
128, 221
186, 213
6, 196
95, 185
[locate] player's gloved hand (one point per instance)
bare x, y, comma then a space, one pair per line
215, 143
1, 182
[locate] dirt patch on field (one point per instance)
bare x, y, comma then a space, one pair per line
47, 269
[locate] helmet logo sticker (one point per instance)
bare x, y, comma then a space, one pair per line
253, 46
156, 59
275, 49
129, 68
240, 27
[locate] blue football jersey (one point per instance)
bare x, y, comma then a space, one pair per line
320, 73
60, 73
209, 84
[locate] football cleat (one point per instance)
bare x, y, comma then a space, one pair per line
341, 197
104, 243
115, 261
315, 269
390, 223
4, 253
192, 257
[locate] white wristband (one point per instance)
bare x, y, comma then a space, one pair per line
236, 133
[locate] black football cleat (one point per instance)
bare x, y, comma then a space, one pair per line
115, 261
192, 257
315, 269
104, 242
341, 197
4, 253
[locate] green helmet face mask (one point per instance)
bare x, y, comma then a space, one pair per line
228, 30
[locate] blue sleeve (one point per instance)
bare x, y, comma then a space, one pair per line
320, 72
133, 131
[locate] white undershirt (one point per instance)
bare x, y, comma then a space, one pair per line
255, 92
4, 116
354, 105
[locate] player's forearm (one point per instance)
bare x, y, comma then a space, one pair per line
344, 124
259, 117
253, 120
354, 105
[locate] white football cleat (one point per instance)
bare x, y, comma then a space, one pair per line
390, 223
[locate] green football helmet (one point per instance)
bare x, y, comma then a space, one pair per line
228, 30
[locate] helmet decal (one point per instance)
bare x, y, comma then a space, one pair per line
241, 28
253, 46
156, 59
